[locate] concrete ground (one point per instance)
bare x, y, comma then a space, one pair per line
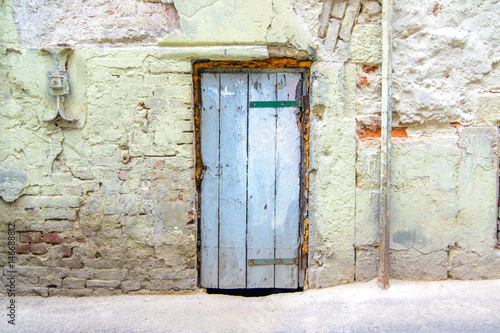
443, 306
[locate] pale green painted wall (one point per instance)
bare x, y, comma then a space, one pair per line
99, 226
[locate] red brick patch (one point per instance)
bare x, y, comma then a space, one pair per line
366, 133
435, 11
364, 82
66, 251
88, 232
31, 237
52, 238
22, 248
368, 69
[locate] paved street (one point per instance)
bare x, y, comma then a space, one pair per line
443, 306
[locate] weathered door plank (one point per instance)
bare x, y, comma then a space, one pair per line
250, 187
209, 204
261, 180
287, 182
233, 180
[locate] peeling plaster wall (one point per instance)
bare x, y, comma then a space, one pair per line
445, 54
332, 181
444, 171
42, 22
446, 71
107, 205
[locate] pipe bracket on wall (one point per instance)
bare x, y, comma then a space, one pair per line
59, 82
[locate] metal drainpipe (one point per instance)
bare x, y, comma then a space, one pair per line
385, 145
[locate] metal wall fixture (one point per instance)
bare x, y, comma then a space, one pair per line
59, 82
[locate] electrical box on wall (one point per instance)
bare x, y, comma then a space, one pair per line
58, 83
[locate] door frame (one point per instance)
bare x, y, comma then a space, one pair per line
271, 65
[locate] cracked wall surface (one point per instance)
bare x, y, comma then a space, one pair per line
444, 170
445, 54
41, 22
107, 205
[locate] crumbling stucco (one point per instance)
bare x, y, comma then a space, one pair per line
41, 22
445, 53
332, 181
443, 197
108, 206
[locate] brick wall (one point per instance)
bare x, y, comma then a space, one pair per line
114, 212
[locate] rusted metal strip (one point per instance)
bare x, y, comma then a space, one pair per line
275, 104
280, 261
385, 147
304, 190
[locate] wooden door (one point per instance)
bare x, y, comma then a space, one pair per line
250, 189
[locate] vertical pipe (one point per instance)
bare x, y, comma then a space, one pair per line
385, 147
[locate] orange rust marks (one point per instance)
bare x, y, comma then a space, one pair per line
364, 82
366, 133
196, 87
435, 11
399, 132
456, 123
199, 66
265, 63
305, 247
306, 138
368, 69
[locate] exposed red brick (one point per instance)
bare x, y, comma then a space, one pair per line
73, 239
31, 237
66, 251
365, 133
22, 248
364, 82
368, 69
181, 196
435, 10
38, 249
52, 238
399, 132
89, 233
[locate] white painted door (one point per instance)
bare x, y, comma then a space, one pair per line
250, 188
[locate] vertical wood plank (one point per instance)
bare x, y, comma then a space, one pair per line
261, 180
233, 180
287, 182
209, 222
